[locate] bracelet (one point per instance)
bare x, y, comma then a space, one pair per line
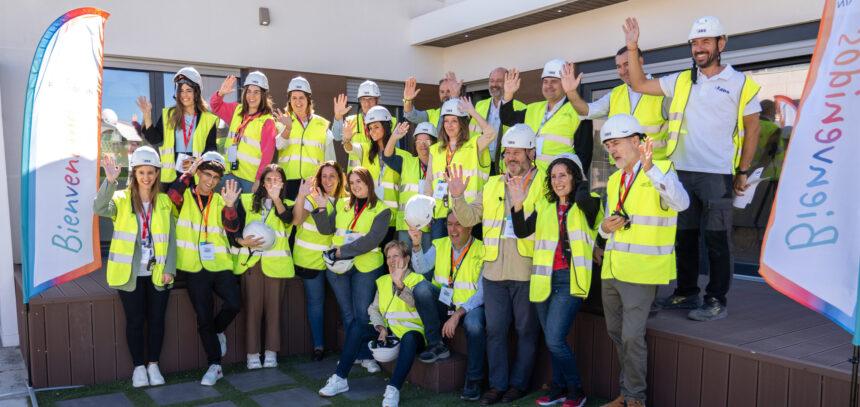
407, 100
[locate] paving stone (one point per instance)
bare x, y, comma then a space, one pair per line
292, 397
113, 400
365, 388
180, 393
258, 379
318, 370
15, 402
221, 404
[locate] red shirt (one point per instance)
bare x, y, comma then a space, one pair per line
560, 262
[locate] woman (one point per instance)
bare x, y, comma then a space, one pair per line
185, 130
305, 142
392, 314
310, 245
359, 224
142, 259
264, 271
561, 275
455, 146
250, 142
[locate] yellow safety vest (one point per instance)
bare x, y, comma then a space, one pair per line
344, 218
649, 112
305, 149
359, 137
466, 156
556, 134
400, 317
310, 243
683, 86
465, 279
124, 240
483, 108
494, 214
277, 262
389, 180
581, 236
190, 232
167, 151
411, 184
644, 253
249, 152
433, 116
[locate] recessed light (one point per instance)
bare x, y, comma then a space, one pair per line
558, 11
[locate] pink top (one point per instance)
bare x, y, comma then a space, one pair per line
225, 111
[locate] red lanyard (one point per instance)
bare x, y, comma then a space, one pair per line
205, 214
247, 119
455, 264
423, 168
145, 218
358, 212
625, 187
188, 131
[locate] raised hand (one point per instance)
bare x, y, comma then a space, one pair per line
273, 191
466, 105
304, 188
398, 272
517, 191
400, 131
415, 236
410, 89
228, 86
230, 192
348, 130
512, 83
453, 84
111, 169
317, 194
456, 182
569, 80
631, 32
285, 119
647, 153
341, 108
145, 106
193, 168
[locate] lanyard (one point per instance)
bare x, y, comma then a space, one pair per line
423, 168
548, 115
624, 188
455, 264
245, 120
205, 214
357, 215
528, 177
188, 130
146, 218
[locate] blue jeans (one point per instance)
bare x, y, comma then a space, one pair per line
556, 315
244, 184
315, 298
354, 291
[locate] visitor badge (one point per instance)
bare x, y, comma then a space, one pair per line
421, 184
180, 159
441, 190
380, 192
539, 146
207, 251
351, 237
232, 152
446, 296
145, 254
509, 228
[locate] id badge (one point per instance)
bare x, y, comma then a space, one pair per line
446, 296
207, 251
145, 255
350, 237
421, 184
380, 192
509, 228
441, 190
231, 153
539, 147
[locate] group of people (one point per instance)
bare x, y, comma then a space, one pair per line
510, 237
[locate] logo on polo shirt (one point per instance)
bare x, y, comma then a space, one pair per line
724, 90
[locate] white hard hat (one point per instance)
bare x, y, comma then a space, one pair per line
368, 88
572, 157
452, 107
260, 230
419, 211
256, 78
191, 74
377, 114
387, 351
425, 128
299, 83
109, 117
334, 265
519, 135
213, 156
552, 69
144, 155
620, 126
706, 27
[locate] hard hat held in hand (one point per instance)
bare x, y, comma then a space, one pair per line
144, 155
419, 211
256, 78
299, 83
519, 136
620, 126
334, 265
386, 351
191, 74
377, 114
552, 69
368, 88
706, 27
259, 229
452, 107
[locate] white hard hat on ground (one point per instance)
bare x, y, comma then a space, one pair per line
425, 128
519, 135
213, 156
452, 107
572, 157
706, 27
419, 211
337, 266
259, 229
299, 83
377, 114
191, 74
256, 78
387, 351
368, 88
620, 126
144, 155
552, 69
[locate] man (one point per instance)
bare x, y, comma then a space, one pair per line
644, 198
713, 135
454, 295
368, 97
489, 110
649, 110
507, 263
771, 145
449, 87
553, 120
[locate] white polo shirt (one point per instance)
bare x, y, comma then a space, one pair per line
710, 120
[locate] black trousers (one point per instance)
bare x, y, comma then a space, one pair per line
145, 306
201, 286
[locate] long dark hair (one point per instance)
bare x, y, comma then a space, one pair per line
367, 179
136, 203
261, 194
374, 146
265, 102
461, 138
338, 192
176, 112
574, 172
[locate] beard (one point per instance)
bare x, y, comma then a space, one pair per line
495, 92
712, 58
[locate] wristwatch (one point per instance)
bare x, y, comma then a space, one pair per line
739, 171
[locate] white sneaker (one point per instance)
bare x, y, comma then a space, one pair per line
139, 378
271, 359
391, 397
212, 375
155, 377
223, 340
371, 366
254, 361
334, 386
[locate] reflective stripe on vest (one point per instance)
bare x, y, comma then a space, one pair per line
466, 281
189, 231
277, 262
410, 179
167, 151
649, 112
399, 316
493, 200
248, 153
581, 237
556, 135
310, 243
390, 181
467, 156
345, 215
305, 149
124, 241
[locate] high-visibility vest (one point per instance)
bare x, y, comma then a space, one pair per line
167, 150
581, 237
190, 232
483, 108
644, 253
310, 243
466, 156
433, 116
494, 214
411, 183
465, 279
277, 262
124, 240
683, 86
305, 149
249, 151
388, 182
649, 112
400, 317
359, 137
555, 137
344, 218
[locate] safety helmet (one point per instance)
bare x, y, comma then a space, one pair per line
552, 69
706, 27
337, 266
519, 135
572, 157
452, 107
377, 114
259, 229
425, 128
191, 74
385, 351
620, 126
299, 83
213, 156
144, 155
368, 88
109, 117
419, 211
256, 78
